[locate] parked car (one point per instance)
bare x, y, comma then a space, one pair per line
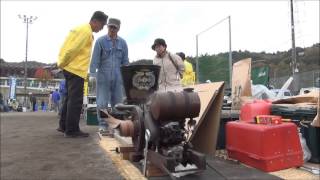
282, 93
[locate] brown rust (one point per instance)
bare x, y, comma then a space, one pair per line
175, 105
112, 121
127, 128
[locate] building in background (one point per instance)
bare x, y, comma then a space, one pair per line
41, 79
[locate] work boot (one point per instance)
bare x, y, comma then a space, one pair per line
60, 129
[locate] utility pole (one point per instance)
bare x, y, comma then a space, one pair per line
230, 53
293, 51
27, 20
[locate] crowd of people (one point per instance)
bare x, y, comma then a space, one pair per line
53, 102
110, 52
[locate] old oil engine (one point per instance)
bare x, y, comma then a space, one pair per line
158, 122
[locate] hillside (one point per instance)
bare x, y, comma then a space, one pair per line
216, 67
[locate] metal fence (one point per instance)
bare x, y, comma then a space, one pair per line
301, 80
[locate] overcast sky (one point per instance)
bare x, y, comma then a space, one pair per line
256, 26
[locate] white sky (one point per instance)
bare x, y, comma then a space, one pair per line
256, 26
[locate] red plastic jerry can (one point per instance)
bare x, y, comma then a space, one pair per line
269, 148
250, 110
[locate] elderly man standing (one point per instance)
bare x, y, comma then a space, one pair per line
109, 54
172, 67
74, 59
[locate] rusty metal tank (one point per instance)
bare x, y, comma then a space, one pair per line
175, 105
140, 81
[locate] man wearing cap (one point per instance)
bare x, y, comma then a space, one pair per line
74, 59
109, 54
171, 67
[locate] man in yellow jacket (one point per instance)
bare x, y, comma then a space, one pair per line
74, 59
188, 77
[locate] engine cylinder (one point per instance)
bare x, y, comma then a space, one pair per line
171, 106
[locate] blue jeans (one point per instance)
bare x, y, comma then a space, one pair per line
109, 91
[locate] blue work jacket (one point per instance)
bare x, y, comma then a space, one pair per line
109, 59
105, 63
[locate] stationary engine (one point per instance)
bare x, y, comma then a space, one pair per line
160, 123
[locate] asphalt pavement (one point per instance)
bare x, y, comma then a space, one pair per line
31, 148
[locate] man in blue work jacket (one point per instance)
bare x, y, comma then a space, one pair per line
109, 54
62, 93
55, 100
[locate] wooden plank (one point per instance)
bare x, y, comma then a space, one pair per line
295, 173
122, 140
125, 156
125, 167
154, 171
125, 148
241, 82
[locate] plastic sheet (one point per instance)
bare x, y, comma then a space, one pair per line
306, 151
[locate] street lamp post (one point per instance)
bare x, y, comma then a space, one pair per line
28, 20
230, 53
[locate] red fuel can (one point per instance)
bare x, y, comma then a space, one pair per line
250, 110
265, 147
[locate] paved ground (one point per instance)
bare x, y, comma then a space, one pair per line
31, 148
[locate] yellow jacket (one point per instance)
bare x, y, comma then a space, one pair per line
75, 52
188, 74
